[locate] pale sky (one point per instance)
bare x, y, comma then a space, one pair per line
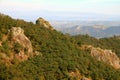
62, 9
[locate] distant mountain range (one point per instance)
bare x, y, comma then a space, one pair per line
95, 29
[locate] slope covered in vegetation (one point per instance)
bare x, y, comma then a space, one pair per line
112, 43
59, 56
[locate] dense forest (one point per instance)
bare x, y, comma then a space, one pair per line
59, 54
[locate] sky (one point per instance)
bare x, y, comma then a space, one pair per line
30, 10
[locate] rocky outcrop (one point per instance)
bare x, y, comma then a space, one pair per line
44, 23
22, 42
77, 76
107, 56
104, 55
15, 46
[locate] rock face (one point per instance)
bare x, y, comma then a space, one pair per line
106, 56
18, 37
44, 23
17, 46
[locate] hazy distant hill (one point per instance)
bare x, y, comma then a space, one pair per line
94, 28
92, 31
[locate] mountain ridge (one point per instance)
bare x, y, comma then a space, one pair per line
98, 32
98, 29
57, 55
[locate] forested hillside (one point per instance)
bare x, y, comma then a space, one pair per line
58, 58
112, 43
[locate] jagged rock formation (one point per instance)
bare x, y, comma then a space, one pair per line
15, 46
106, 56
19, 38
44, 23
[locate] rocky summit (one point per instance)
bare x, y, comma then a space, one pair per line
42, 22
